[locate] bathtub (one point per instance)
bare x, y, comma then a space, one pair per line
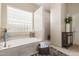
20, 47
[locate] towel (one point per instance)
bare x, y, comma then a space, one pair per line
43, 44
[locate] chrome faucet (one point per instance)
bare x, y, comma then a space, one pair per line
5, 37
5, 45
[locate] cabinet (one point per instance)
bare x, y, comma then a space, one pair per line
67, 39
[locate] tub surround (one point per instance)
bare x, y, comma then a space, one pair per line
20, 47
18, 42
72, 51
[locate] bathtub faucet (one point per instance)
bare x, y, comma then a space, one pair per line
5, 37
5, 45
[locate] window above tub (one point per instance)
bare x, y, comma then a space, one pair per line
19, 20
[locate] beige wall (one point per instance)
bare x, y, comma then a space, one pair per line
3, 16
46, 22
0, 20
38, 23
57, 24
63, 15
73, 10
41, 21
58, 13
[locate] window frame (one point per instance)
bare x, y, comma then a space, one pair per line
24, 24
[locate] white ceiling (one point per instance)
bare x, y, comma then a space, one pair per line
47, 6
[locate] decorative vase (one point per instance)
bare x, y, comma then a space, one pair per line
67, 27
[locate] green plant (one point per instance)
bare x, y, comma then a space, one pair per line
68, 19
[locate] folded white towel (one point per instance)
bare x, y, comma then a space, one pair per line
43, 44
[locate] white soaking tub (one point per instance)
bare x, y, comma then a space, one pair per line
20, 47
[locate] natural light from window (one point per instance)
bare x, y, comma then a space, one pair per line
19, 20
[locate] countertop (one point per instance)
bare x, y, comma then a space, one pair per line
71, 51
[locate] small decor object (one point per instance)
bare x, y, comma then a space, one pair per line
43, 44
68, 20
32, 34
68, 24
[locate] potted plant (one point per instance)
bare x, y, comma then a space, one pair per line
67, 22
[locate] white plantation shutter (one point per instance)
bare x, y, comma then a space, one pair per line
19, 20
